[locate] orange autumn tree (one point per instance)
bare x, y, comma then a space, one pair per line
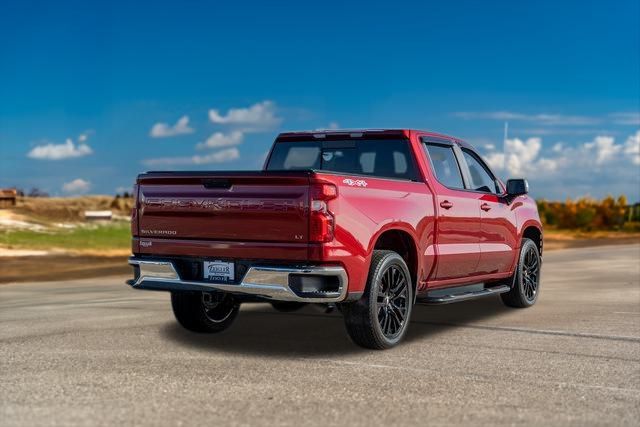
585, 213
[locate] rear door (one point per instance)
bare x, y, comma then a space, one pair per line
458, 219
251, 206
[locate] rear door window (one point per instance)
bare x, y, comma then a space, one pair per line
382, 158
445, 165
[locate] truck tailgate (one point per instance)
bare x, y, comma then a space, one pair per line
230, 206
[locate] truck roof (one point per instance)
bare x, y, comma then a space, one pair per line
363, 132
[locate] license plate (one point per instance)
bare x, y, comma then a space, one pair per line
218, 271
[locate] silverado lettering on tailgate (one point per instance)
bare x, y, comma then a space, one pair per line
221, 204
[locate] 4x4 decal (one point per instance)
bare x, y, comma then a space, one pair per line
354, 182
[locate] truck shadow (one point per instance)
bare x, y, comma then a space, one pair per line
261, 331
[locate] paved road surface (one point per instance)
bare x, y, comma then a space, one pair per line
95, 352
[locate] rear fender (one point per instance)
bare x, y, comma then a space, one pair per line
394, 226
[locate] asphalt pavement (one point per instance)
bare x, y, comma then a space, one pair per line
95, 352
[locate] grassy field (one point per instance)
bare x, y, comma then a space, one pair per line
91, 238
58, 225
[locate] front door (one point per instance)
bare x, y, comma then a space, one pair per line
498, 237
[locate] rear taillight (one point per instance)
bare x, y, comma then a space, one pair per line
322, 221
134, 212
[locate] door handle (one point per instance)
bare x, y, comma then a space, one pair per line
485, 207
446, 204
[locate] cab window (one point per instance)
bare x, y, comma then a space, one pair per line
380, 158
481, 178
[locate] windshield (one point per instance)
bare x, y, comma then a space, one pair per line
383, 158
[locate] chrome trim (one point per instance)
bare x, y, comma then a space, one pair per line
266, 282
155, 269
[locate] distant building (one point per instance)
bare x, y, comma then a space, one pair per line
98, 215
8, 197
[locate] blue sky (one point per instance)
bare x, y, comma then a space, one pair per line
92, 94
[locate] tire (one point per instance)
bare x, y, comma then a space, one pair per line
526, 283
287, 306
204, 312
379, 320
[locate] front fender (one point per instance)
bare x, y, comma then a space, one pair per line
527, 216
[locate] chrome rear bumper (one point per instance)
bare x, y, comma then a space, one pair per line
262, 281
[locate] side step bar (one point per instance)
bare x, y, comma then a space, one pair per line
463, 293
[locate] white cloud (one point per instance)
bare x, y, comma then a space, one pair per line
603, 147
163, 130
77, 186
220, 139
632, 147
524, 156
260, 116
520, 155
221, 156
597, 167
542, 118
61, 151
628, 118
547, 165
525, 151
495, 160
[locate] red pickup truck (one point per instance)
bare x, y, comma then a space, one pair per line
370, 221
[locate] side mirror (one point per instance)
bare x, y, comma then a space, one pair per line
517, 187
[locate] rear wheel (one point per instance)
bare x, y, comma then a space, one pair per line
526, 284
207, 312
380, 318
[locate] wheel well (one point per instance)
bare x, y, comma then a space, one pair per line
402, 243
534, 234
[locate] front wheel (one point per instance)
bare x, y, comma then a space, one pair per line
206, 312
380, 318
526, 283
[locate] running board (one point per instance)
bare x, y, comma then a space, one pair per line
463, 293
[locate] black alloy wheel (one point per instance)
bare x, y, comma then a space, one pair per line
393, 300
207, 312
380, 319
525, 283
531, 273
